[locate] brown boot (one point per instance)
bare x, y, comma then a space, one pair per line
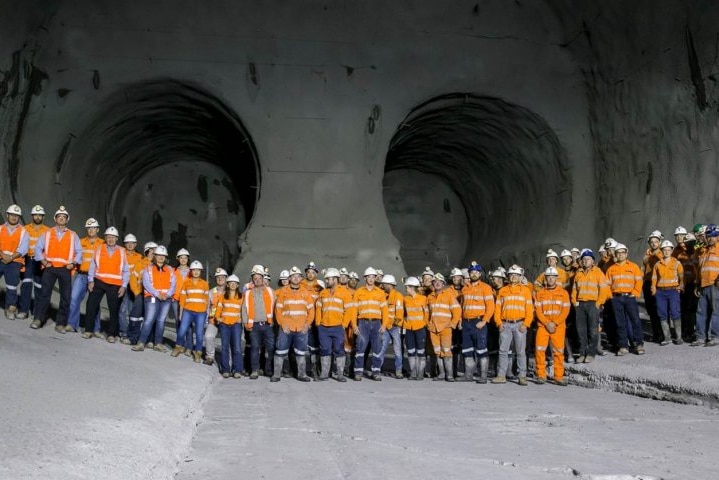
197, 356
176, 351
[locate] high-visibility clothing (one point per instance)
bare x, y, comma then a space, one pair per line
215, 296
370, 305
570, 271
441, 341
311, 286
625, 277
195, 295
159, 280
562, 279
136, 275
513, 304
109, 264
650, 259
14, 240
590, 286
133, 258
334, 308
34, 232
689, 263
709, 266
543, 339
395, 309
668, 273
477, 301
60, 247
89, 245
180, 276
416, 312
268, 304
444, 310
295, 310
228, 309
551, 305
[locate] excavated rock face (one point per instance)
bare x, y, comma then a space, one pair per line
387, 133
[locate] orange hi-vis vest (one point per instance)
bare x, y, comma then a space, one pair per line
180, 277
369, 305
334, 309
10, 241
108, 268
88, 250
216, 295
295, 309
709, 266
268, 300
136, 275
34, 232
514, 303
195, 295
160, 279
669, 274
591, 286
60, 253
444, 310
229, 310
395, 308
416, 312
477, 301
552, 305
625, 277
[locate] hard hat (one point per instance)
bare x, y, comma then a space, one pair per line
148, 246
389, 279
465, 272
195, 265
37, 210
575, 250
498, 273
14, 209
551, 272
295, 271
428, 271
602, 249
566, 253
91, 222
609, 242
257, 270
702, 230
354, 275
370, 271
312, 266
515, 269
380, 273
587, 253
697, 227
332, 272
680, 231
161, 250
456, 272
475, 267
220, 272
344, 271
321, 284
712, 230
284, 275
129, 238
181, 252
621, 246
438, 277
233, 278
666, 244
267, 275
112, 231
690, 237
411, 282
655, 234
61, 210
552, 253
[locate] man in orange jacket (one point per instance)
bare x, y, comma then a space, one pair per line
395, 310
589, 292
625, 284
332, 317
552, 308
370, 319
445, 314
133, 258
258, 309
652, 255
14, 243
477, 311
707, 321
31, 285
79, 281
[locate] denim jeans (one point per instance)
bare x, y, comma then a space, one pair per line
707, 319
11, 272
511, 334
331, 341
368, 335
628, 323
196, 320
79, 290
231, 337
474, 340
155, 315
125, 308
30, 284
394, 334
285, 341
262, 334
136, 316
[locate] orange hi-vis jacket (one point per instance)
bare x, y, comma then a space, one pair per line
268, 302
444, 310
180, 277
10, 241
689, 263
295, 310
551, 305
416, 312
229, 310
310, 286
136, 275
109, 268
370, 305
89, 245
334, 308
625, 277
570, 272
34, 232
477, 301
133, 258
195, 295
709, 266
216, 295
562, 279
668, 273
514, 304
60, 253
650, 258
591, 286
395, 308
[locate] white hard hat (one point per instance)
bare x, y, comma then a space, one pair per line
601, 248
552, 253
380, 272
220, 272
161, 250
61, 210
456, 272
37, 210
148, 246
354, 275
655, 234
129, 238
666, 244
14, 209
498, 273
332, 272
680, 231
389, 279
182, 251
566, 253
515, 269
233, 278
370, 271
428, 271
284, 275
551, 272
465, 272
439, 278
295, 271
321, 284
690, 237
91, 222
112, 231
195, 265
257, 270
411, 282
344, 271
621, 246
575, 250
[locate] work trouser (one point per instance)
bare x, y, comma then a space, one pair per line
262, 334
30, 284
11, 272
415, 341
99, 290
369, 335
668, 305
125, 308
511, 334
629, 325
63, 277
650, 303
394, 335
587, 320
442, 342
294, 340
331, 341
186, 338
556, 339
474, 340
136, 316
707, 318
210, 336
688, 310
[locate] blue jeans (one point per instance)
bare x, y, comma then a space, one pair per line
135, 323
511, 334
262, 334
368, 336
627, 321
332, 341
285, 341
125, 308
186, 338
668, 304
231, 337
708, 314
474, 340
416, 342
11, 272
79, 290
31, 283
155, 315
196, 320
394, 334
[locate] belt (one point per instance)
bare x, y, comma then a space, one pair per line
478, 319
513, 321
262, 324
622, 294
82, 272
369, 319
668, 288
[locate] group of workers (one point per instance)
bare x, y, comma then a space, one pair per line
578, 296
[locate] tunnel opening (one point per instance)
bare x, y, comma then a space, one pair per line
472, 177
171, 163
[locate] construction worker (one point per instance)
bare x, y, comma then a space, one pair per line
667, 285
445, 314
569, 267
33, 270
575, 255
284, 279
136, 314
625, 285
228, 317
353, 282
684, 252
344, 276
456, 283
108, 276
415, 328
258, 307
159, 283
393, 333
707, 320
58, 251
294, 311
194, 306
589, 292
211, 331
477, 311
310, 280
312, 284
14, 244
182, 271
551, 305
79, 281
370, 319
427, 277
333, 316
552, 259
133, 258
652, 255
604, 257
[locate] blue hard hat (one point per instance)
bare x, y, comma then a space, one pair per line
587, 253
712, 230
475, 267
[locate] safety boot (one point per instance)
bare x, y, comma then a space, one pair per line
60, 329
187, 352
35, 324
677, 324
111, 339
421, 366
440, 366
325, 363
340, 368
159, 348
313, 366
21, 316
278, 369
412, 367
499, 379
665, 331
138, 348
301, 369
150, 345
448, 369
209, 361
470, 365
11, 312
176, 351
197, 356
483, 368
254, 375
522, 381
